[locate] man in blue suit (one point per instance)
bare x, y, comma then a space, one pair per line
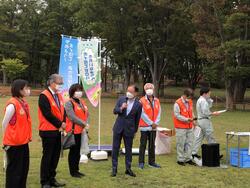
128, 109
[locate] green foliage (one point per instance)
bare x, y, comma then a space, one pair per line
12, 67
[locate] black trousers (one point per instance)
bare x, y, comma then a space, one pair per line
128, 142
74, 155
150, 137
50, 158
17, 166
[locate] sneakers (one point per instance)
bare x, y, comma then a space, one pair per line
191, 163
141, 165
180, 163
154, 165
197, 156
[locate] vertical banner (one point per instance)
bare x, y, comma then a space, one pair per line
90, 69
68, 67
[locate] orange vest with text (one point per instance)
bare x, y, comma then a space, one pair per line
188, 113
152, 112
81, 113
44, 124
20, 132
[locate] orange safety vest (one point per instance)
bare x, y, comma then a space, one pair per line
152, 112
188, 113
80, 113
44, 124
20, 132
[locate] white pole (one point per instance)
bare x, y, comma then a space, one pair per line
99, 123
100, 93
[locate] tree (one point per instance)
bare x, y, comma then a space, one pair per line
222, 38
11, 68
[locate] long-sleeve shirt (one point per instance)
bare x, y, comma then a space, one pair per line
9, 112
71, 114
130, 103
177, 111
203, 106
147, 120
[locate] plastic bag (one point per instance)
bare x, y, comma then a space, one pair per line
162, 143
84, 143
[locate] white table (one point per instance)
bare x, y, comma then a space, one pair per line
229, 136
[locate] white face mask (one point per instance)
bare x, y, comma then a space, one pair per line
58, 87
78, 94
149, 92
130, 95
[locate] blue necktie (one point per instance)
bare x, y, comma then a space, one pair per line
57, 100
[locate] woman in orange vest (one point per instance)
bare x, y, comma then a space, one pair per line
150, 119
17, 134
183, 122
76, 121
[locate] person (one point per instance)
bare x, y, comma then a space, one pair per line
77, 116
128, 108
150, 119
51, 121
183, 122
17, 133
204, 114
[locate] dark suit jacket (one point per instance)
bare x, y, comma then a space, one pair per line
44, 105
127, 123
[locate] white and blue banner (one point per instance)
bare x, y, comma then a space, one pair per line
68, 67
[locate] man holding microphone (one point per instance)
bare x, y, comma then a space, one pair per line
128, 110
52, 120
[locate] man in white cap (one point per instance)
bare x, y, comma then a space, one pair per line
150, 119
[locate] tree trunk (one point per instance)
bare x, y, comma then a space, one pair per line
127, 68
230, 103
4, 78
239, 90
162, 86
156, 75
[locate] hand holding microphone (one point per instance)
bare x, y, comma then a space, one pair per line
124, 105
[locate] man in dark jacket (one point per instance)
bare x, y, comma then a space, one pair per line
51, 120
128, 109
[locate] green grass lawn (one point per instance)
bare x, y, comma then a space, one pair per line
170, 175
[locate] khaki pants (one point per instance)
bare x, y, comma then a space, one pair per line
184, 144
206, 132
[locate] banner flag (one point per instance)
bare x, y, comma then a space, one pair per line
90, 69
68, 67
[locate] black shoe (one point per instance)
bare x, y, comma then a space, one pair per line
197, 156
221, 156
130, 173
81, 174
76, 175
191, 163
46, 186
57, 184
114, 172
181, 163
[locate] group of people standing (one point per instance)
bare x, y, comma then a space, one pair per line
57, 116
145, 114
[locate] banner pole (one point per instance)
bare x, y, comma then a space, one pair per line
99, 123
100, 93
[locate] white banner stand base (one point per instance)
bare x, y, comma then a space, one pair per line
99, 155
